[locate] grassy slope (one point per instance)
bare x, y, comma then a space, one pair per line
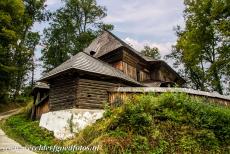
169, 123
19, 103
10, 106
26, 132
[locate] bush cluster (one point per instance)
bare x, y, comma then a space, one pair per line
167, 123
148, 123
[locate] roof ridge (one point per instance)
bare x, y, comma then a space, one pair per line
120, 40
109, 66
123, 43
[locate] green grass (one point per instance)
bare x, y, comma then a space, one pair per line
167, 123
25, 131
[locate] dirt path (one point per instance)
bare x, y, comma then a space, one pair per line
6, 142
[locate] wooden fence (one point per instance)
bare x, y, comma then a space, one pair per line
123, 92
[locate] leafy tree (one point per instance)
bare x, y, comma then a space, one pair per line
11, 13
31, 43
72, 28
203, 46
151, 52
18, 42
24, 50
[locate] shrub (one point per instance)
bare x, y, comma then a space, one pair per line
148, 123
167, 123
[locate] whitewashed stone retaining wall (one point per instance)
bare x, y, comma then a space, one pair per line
65, 123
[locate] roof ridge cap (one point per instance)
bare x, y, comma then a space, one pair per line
110, 66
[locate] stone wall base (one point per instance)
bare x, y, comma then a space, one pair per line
65, 123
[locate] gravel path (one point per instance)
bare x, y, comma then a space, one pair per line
6, 142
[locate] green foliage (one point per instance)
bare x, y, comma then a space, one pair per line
21, 99
26, 131
148, 123
23, 53
203, 45
107, 109
18, 43
151, 52
10, 15
73, 27
168, 123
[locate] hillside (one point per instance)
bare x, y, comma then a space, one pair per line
169, 123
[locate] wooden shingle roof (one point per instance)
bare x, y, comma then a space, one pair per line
84, 62
108, 42
103, 44
41, 85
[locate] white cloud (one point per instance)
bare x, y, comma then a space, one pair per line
145, 17
136, 11
164, 48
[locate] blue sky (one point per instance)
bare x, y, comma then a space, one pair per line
138, 22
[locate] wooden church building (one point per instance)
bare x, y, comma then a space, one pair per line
83, 81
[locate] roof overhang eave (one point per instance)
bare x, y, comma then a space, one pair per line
161, 62
46, 79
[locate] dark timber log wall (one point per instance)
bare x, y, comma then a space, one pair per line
91, 93
84, 91
63, 93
